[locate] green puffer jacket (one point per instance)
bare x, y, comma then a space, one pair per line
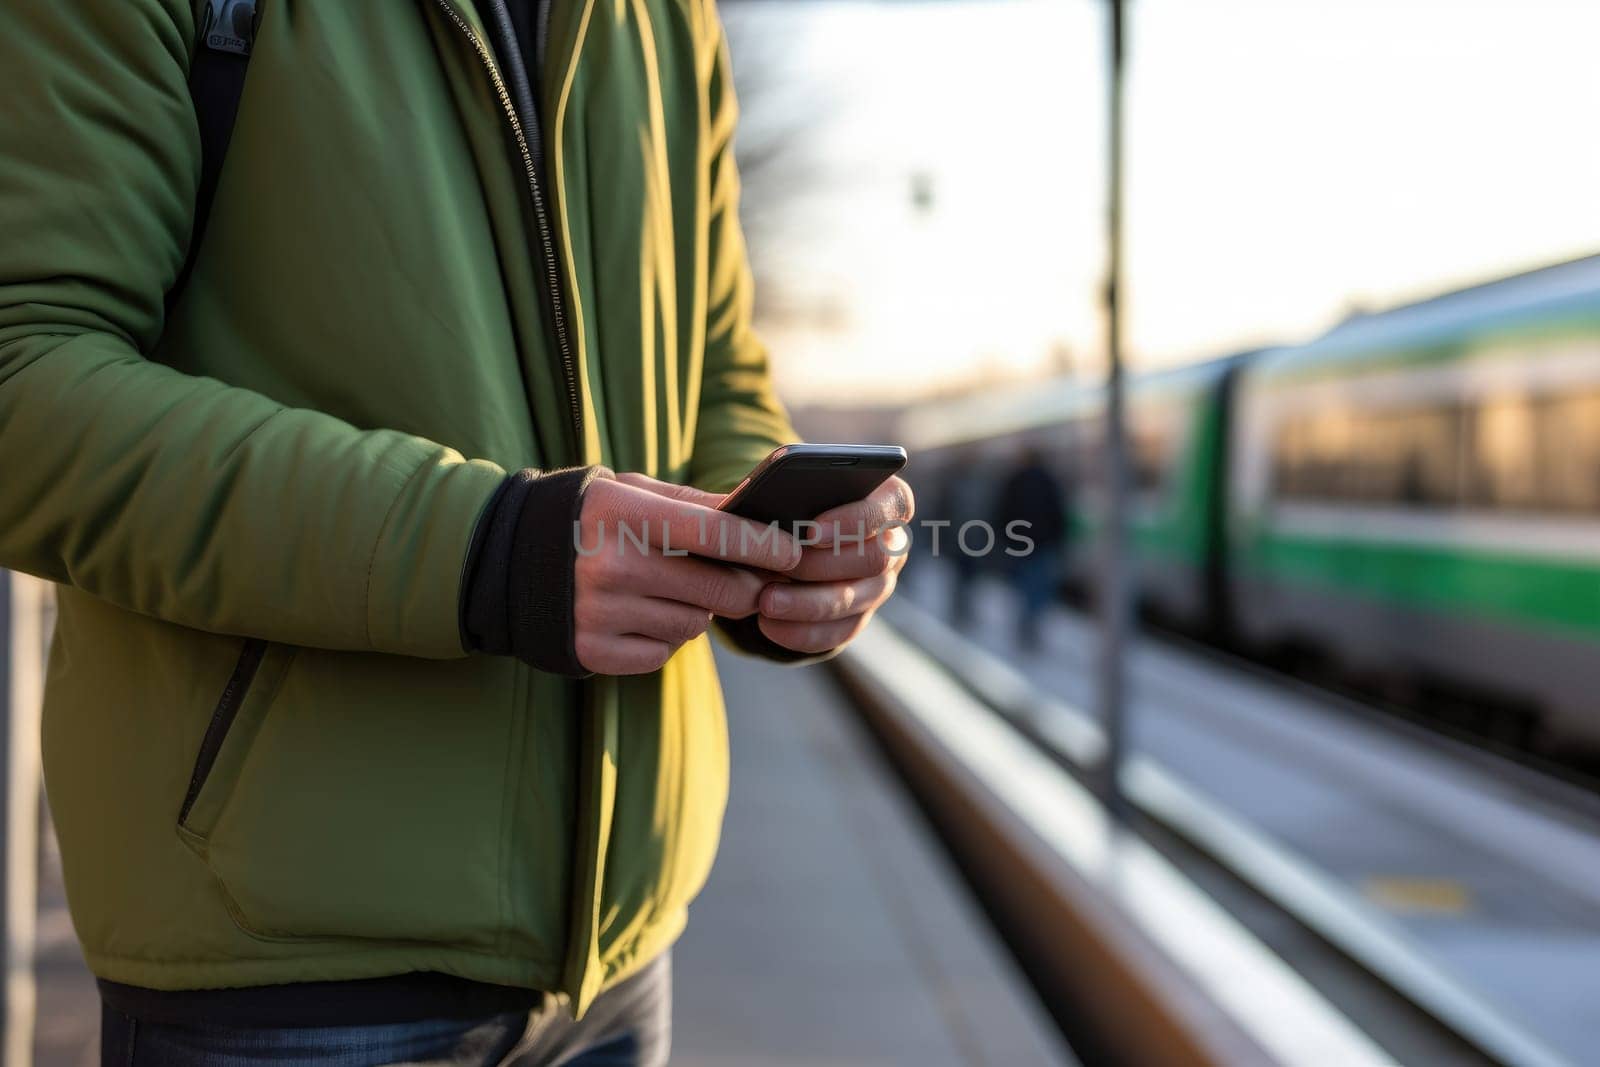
265, 504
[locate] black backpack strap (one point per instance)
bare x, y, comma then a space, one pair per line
216, 84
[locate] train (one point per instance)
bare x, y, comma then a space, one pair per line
1409, 502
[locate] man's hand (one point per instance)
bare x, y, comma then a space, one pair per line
840, 581
634, 606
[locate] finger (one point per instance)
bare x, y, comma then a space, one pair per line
891, 504
732, 592
666, 620
813, 636
671, 524
824, 601
840, 563
897, 545
849, 559
686, 493
621, 653
646, 616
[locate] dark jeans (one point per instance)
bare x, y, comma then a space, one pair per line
629, 1026
1035, 577
963, 576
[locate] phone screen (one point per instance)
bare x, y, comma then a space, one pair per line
797, 483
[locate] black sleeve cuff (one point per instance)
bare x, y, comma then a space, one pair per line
518, 597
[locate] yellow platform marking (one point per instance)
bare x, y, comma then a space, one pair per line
1399, 893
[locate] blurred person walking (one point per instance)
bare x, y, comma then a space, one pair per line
1033, 502
324, 328
966, 497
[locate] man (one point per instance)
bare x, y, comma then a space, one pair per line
1035, 499
352, 757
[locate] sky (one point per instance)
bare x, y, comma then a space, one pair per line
1288, 161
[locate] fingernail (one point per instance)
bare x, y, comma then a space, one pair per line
780, 599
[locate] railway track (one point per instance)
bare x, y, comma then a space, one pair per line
1421, 801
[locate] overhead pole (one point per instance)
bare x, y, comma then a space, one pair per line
1115, 587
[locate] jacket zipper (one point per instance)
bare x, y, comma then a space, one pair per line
558, 314
222, 716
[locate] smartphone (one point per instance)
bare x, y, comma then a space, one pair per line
797, 483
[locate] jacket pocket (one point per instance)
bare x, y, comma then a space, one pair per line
363, 796
235, 720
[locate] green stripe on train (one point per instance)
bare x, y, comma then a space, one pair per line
1548, 594
1181, 530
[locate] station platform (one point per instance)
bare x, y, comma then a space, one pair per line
833, 929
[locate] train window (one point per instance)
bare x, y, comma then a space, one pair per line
1313, 457
1149, 452
1503, 454
1409, 458
1510, 452
1569, 452
1431, 472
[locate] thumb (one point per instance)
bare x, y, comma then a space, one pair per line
687, 493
